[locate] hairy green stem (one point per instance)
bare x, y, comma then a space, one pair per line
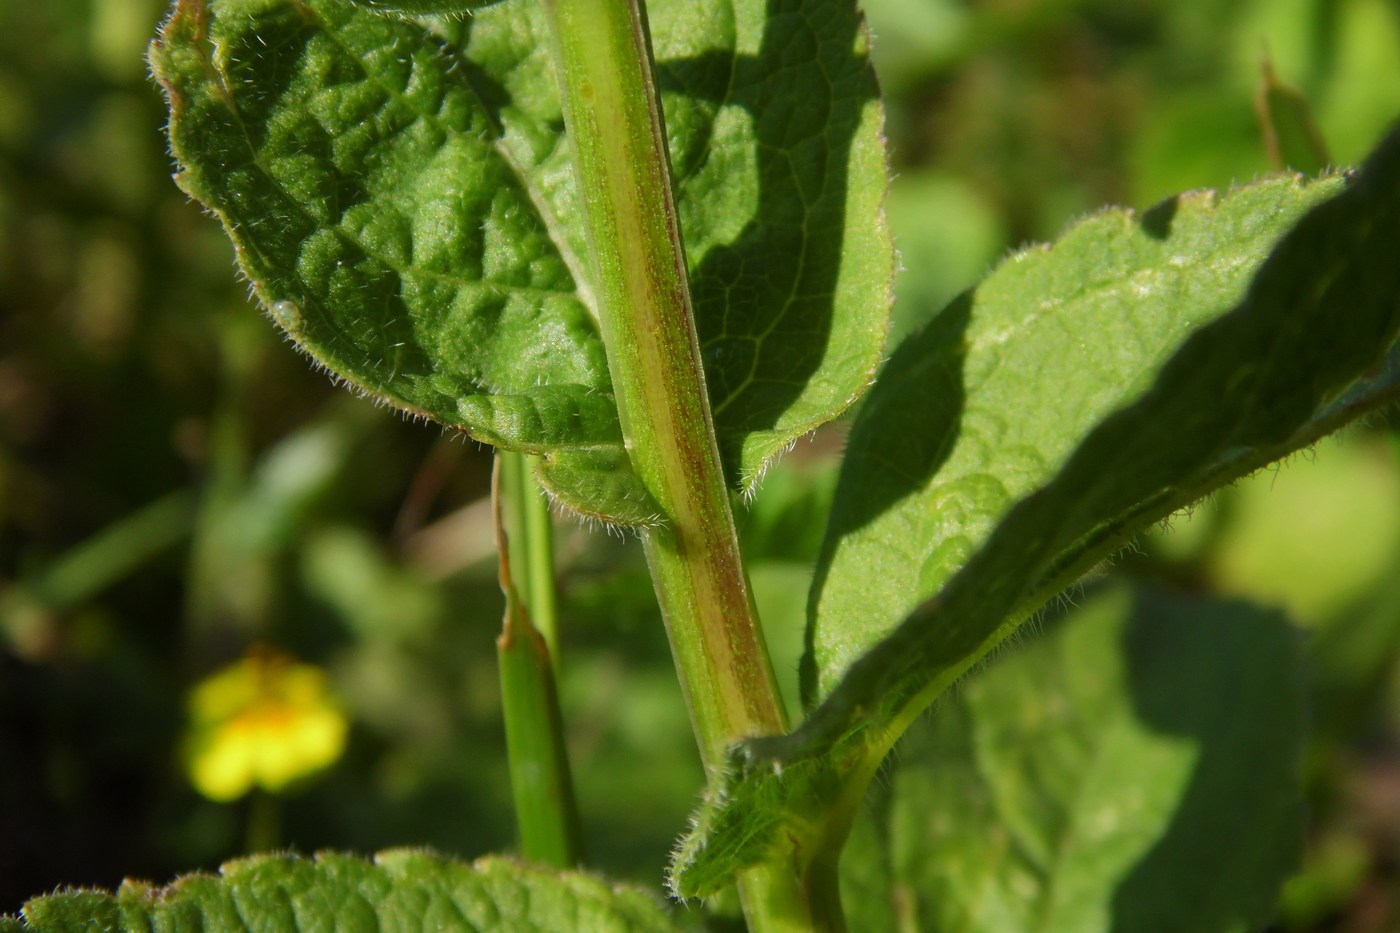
623, 169
613, 114
546, 813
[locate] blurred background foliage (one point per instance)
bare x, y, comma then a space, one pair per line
181, 494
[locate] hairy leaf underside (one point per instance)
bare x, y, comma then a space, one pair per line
401, 197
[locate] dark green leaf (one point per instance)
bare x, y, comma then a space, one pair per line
382, 211
402, 202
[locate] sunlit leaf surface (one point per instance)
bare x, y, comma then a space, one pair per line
401, 197
1034, 427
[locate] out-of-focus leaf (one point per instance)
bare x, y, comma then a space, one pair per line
1086, 780
1363, 87
92, 566
787, 522
1167, 154
1315, 538
1344, 56
1335, 873
948, 237
1291, 135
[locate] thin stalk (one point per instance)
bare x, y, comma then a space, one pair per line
263, 830
546, 814
526, 513
614, 121
613, 115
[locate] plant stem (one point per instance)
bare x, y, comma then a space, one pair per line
613, 114
623, 169
263, 829
545, 810
526, 513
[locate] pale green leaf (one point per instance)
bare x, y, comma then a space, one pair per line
401, 199
1032, 429
1088, 779
989, 402
400, 890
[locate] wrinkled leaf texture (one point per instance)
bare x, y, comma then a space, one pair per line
1080, 394
400, 890
401, 198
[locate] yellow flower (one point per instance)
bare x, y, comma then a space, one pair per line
266, 722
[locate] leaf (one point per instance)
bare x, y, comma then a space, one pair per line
1291, 135
1045, 444
1086, 780
400, 890
1010, 379
392, 211
402, 203
781, 210
600, 484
